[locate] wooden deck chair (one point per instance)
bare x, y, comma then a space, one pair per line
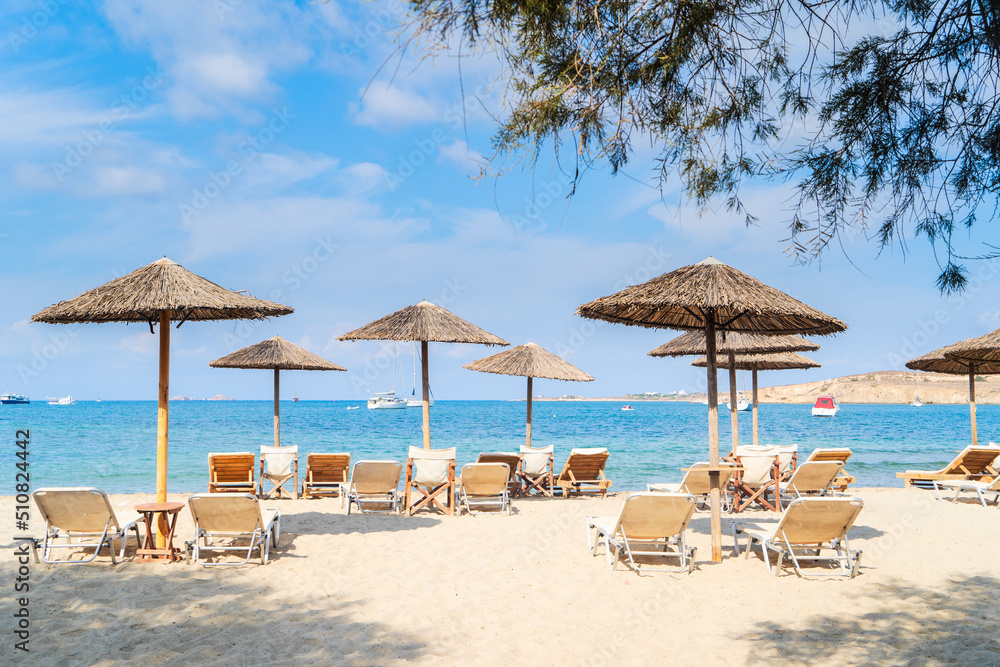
697, 483
84, 518
512, 459
834, 454
279, 465
807, 529
374, 484
535, 471
483, 485
232, 522
972, 463
327, 474
584, 468
430, 473
812, 478
649, 526
758, 476
231, 472
980, 489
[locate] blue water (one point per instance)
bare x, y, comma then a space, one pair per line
112, 444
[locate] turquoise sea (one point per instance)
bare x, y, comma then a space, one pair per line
112, 444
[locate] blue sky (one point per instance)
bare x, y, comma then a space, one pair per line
260, 145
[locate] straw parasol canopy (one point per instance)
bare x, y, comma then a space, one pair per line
280, 355
424, 322
979, 349
530, 361
711, 296
693, 342
161, 292
942, 361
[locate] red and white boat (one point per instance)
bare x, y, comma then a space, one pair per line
826, 406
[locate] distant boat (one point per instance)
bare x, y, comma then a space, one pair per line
385, 401
916, 398
413, 401
13, 399
627, 408
826, 406
353, 407
65, 400
742, 405
295, 396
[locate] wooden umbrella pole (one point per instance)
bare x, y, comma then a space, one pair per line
755, 406
277, 414
715, 495
427, 395
528, 437
162, 413
734, 419
972, 402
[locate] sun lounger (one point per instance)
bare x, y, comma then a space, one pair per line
971, 464
697, 483
374, 486
812, 478
584, 472
788, 459
535, 470
834, 454
327, 474
84, 518
222, 521
231, 472
807, 528
649, 526
279, 465
759, 474
979, 488
430, 473
484, 484
512, 459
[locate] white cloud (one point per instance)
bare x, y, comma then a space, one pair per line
142, 343
459, 154
386, 104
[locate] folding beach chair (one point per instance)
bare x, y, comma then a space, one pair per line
759, 475
279, 465
231, 472
808, 527
222, 521
649, 526
430, 473
512, 459
484, 484
972, 463
327, 474
812, 478
788, 459
374, 483
979, 488
834, 454
584, 472
77, 514
697, 483
535, 470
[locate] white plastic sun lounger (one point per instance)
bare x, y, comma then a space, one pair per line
979, 488
77, 514
649, 525
232, 518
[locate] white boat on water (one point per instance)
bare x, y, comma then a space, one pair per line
742, 405
917, 403
627, 408
65, 400
14, 399
414, 401
826, 406
385, 401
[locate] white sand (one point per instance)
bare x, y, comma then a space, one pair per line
524, 589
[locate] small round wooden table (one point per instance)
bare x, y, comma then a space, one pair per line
168, 517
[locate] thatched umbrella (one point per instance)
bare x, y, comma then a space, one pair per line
280, 355
161, 292
424, 322
733, 343
530, 361
710, 296
942, 361
779, 361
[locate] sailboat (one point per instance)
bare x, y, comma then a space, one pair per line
916, 398
414, 401
387, 400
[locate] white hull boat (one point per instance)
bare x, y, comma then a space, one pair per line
385, 401
826, 406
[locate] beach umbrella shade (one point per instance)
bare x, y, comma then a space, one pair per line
160, 293
779, 361
942, 361
279, 355
710, 296
730, 344
424, 322
530, 361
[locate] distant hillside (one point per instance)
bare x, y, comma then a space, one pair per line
887, 387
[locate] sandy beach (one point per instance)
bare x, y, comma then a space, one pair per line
503, 590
